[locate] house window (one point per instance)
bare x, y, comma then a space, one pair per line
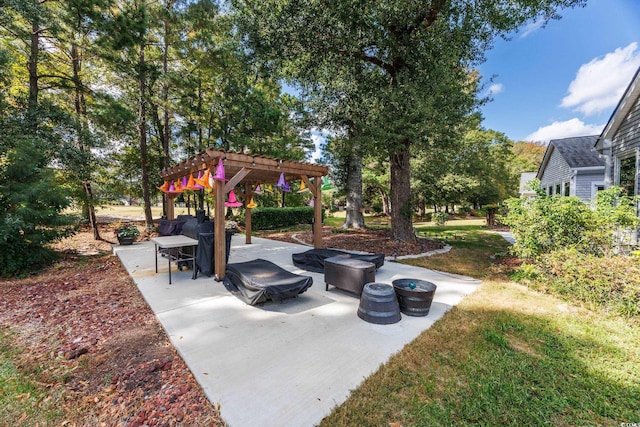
557, 189
595, 187
628, 174
567, 189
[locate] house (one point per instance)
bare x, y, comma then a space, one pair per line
525, 179
572, 167
619, 142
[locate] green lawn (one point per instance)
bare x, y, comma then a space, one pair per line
504, 356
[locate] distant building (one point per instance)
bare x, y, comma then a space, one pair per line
525, 179
572, 167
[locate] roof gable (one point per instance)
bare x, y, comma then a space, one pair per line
627, 102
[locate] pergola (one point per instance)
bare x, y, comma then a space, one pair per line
249, 171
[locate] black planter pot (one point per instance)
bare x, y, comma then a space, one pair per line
127, 240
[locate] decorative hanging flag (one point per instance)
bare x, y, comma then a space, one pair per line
251, 204
281, 183
268, 188
325, 184
286, 187
258, 190
219, 175
185, 181
232, 202
172, 188
303, 187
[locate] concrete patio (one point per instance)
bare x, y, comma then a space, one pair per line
278, 364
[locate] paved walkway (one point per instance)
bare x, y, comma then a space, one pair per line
283, 364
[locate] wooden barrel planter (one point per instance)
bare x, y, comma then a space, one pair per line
379, 304
414, 296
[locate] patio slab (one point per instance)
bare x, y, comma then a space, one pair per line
278, 364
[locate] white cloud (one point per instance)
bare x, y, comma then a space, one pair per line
495, 88
600, 83
319, 137
532, 27
566, 129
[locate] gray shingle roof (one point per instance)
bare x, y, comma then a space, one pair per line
578, 152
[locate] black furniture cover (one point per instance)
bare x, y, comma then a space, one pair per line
205, 257
313, 260
258, 281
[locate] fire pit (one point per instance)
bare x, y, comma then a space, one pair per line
414, 296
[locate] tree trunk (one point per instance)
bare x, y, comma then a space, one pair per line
81, 113
165, 99
33, 73
386, 210
401, 212
354, 217
142, 124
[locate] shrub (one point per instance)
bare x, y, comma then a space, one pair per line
271, 218
31, 202
440, 218
544, 224
611, 283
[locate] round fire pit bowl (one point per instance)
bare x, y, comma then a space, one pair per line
414, 296
379, 304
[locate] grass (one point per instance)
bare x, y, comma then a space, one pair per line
20, 394
504, 356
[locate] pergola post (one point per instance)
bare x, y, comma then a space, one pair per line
317, 214
171, 198
219, 232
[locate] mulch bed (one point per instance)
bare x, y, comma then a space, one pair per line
366, 240
105, 354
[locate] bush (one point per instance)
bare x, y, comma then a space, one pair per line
611, 283
32, 199
544, 224
440, 218
271, 218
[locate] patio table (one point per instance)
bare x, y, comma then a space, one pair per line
173, 242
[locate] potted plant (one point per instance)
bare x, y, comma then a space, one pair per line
126, 233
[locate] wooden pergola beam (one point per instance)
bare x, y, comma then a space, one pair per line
248, 170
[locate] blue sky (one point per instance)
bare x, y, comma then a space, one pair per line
564, 79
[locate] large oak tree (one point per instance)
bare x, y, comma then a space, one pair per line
414, 57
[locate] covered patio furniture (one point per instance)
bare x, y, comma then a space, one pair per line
313, 259
259, 280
